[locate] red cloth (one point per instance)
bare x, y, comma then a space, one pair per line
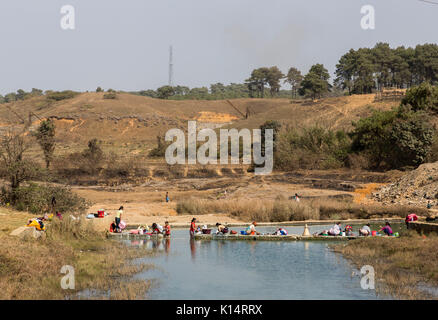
411, 217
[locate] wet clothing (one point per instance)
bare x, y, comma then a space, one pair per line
167, 230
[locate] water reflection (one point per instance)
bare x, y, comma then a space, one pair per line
253, 269
193, 249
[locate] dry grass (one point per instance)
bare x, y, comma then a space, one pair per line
282, 209
30, 269
402, 267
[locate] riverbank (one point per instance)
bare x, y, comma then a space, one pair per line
31, 269
208, 222
405, 269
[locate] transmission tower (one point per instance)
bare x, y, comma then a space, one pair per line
170, 66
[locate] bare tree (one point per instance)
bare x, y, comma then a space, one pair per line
12, 164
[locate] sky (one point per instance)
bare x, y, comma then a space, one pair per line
124, 44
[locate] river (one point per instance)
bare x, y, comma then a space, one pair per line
188, 269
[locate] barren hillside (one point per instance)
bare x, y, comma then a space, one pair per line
135, 121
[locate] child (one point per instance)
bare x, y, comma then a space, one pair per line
166, 229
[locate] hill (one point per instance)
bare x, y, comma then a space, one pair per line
135, 121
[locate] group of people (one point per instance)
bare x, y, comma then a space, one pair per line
365, 230
158, 229
223, 229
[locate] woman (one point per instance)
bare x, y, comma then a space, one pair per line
348, 230
118, 218
335, 230
192, 228
250, 231
281, 232
387, 229
365, 230
156, 228
221, 228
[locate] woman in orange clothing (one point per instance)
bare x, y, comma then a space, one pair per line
192, 228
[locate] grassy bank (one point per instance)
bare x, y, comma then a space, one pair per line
282, 209
402, 267
31, 269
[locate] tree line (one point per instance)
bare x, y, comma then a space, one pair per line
364, 70
360, 71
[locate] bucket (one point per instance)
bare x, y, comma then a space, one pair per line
100, 213
374, 233
206, 231
242, 232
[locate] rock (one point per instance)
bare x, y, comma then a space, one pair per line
28, 233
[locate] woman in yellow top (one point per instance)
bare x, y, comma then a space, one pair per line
118, 217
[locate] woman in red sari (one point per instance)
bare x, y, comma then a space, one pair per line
192, 228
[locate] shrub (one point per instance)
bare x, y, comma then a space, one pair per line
120, 167
61, 95
110, 95
160, 149
393, 139
93, 155
37, 198
310, 148
423, 97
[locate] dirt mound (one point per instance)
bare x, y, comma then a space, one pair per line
416, 187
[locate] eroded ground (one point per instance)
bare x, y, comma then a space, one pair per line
145, 203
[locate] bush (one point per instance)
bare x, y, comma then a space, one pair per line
160, 149
61, 95
37, 199
393, 139
120, 167
422, 98
93, 156
311, 148
110, 95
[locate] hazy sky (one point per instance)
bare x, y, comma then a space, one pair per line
124, 44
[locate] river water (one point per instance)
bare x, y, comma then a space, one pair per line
188, 269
